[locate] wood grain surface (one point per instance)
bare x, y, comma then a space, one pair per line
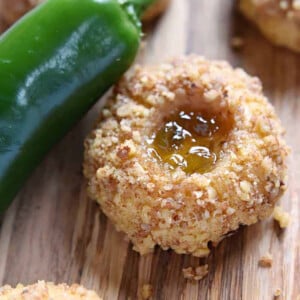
54, 232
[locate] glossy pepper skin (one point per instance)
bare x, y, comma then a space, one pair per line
54, 64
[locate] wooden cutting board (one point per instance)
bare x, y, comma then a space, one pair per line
53, 232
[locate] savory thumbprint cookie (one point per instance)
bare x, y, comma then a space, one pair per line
278, 20
184, 153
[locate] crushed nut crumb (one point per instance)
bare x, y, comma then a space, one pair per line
266, 261
277, 293
147, 291
245, 186
47, 290
123, 153
283, 218
195, 273
211, 95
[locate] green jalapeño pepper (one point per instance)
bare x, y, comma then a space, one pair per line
54, 64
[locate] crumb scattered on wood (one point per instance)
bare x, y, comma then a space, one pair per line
277, 293
237, 43
147, 291
195, 273
266, 261
283, 218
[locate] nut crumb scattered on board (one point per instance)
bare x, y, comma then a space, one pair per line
283, 218
277, 293
147, 291
195, 273
266, 261
237, 42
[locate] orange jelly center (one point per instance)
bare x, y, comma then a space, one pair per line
190, 140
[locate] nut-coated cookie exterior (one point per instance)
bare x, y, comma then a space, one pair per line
279, 21
154, 205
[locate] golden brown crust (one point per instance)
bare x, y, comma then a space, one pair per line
47, 291
278, 20
173, 209
277, 293
156, 9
